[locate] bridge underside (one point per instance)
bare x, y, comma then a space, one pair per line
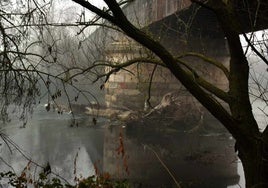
199, 21
253, 15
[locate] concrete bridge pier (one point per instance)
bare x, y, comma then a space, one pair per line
129, 87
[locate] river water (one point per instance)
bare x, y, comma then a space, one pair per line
48, 137
74, 151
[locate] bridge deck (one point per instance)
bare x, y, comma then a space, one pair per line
253, 14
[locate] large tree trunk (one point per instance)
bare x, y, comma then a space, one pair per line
251, 144
254, 158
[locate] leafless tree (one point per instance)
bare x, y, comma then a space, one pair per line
232, 107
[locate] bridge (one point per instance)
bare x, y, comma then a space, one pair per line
181, 27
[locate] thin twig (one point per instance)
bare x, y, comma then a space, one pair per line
164, 165
150, 86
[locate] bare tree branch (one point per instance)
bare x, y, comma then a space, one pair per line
208, 60
255, 50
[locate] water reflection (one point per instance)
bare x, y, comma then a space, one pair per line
195, 159
49, 138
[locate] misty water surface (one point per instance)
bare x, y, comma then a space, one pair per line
48, 137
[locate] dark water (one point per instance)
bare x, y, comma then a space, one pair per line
195, 160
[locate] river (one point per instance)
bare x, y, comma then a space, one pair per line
48, 137
74, 151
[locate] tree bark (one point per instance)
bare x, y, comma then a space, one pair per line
255, 163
